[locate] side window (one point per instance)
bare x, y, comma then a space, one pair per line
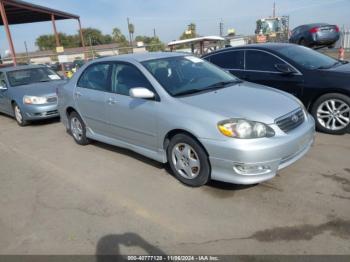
2, 79
261, 61
96, 77
229, 60
125, 77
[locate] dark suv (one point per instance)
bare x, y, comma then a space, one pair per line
315, 35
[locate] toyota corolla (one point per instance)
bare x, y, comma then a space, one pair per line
177, 108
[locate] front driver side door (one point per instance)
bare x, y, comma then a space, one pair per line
91, 96
132, 120
260, 68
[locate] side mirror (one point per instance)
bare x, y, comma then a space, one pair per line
141, 92
3, 88
285, 69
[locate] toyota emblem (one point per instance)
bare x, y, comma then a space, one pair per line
295, 118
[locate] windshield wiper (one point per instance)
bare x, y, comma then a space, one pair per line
330, 66
215, 86
222, 84
188, 92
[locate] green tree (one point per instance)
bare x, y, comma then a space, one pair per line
191, 32
93, 36
46, 42
152, 43
119, 38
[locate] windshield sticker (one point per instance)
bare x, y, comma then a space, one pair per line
194, 59
54, 77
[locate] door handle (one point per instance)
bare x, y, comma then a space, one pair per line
111, 101
77, 94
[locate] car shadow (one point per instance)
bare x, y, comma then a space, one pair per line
214, 185
129, 153
108, 247
45, 121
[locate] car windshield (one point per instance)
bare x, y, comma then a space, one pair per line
185, 75
31, 75
307, 57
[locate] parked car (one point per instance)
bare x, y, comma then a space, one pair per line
311, 35
180, 109
319, 81
28, 92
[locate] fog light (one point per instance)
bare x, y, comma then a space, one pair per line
243, 169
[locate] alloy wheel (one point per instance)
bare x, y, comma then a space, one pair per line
333, 114
186, 161
76, 128
18, 115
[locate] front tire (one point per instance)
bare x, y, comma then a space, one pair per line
19, 115
188, 160
332, 113
78, 129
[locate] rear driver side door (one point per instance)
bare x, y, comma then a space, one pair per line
91, 96
231, 61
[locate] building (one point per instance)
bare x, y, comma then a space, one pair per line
71, 54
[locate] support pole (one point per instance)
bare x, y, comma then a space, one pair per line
56, 36
55, 30
8, 33
82, 39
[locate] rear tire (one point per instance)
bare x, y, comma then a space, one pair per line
77, 129
19, 115
188, 160
332, 113
302, 42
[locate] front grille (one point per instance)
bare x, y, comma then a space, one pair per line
53, 112
52, 99
291, 121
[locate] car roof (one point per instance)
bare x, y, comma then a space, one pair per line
311, 25
262, 46
141, 57
19, 67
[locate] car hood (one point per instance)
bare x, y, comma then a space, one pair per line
246, 100
39, 89
342, 68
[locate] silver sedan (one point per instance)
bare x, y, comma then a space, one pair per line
177, 108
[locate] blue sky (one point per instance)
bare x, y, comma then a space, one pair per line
170, 17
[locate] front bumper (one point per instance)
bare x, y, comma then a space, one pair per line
37, 112
266, 155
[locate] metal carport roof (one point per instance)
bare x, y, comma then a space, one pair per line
19, 12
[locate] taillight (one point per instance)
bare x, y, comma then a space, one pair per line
336, 28
314, 30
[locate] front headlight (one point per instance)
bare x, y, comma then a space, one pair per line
244, 129
34, 100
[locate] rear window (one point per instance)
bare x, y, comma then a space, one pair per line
228, 60
32, 75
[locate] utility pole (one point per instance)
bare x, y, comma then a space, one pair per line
154, 33
25, 45
91, 49
274, 10
130, 41
221, 26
